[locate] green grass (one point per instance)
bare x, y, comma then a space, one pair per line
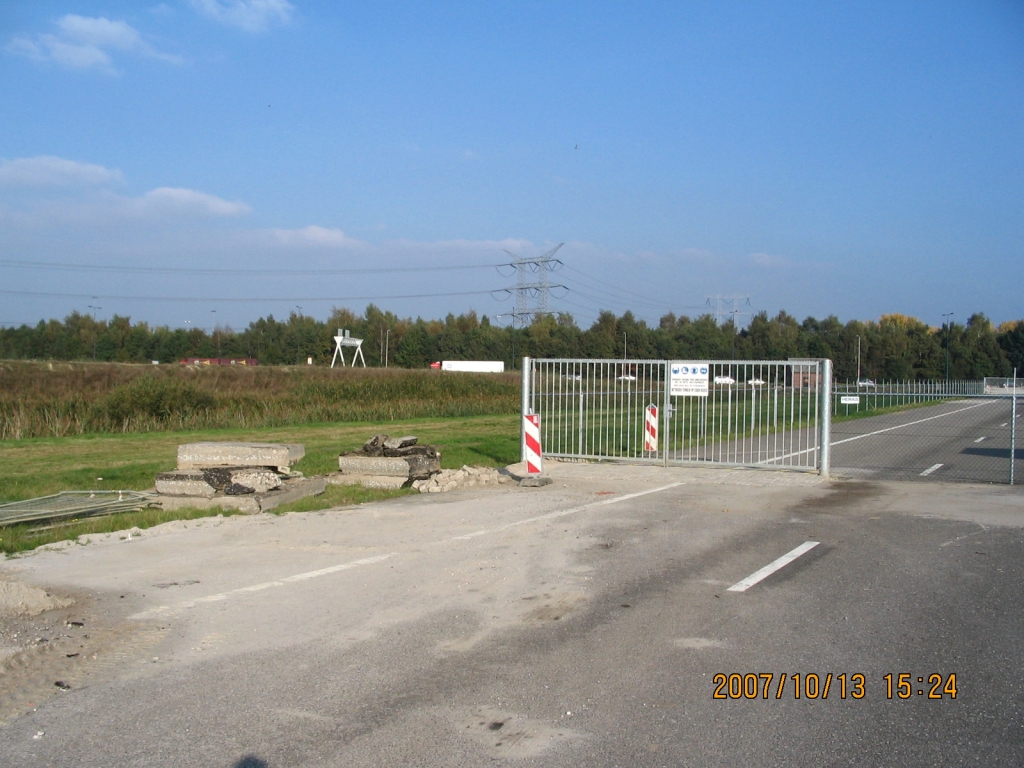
865, 413
42, 466
28, 536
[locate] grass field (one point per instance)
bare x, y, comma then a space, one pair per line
68, 399
42, 466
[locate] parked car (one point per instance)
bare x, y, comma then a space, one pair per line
724, 380
865, 383
756, 382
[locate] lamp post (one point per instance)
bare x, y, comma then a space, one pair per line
623, 346
947, 326
387, 342
214, 331
858, 360
95, 332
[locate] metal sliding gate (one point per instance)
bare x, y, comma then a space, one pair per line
759, 413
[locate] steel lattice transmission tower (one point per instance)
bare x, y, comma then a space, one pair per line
533, 285
733, 301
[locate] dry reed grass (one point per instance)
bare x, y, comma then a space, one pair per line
63, 399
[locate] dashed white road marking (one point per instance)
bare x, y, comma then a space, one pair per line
768, 570
930, 469
877, 432
165, 609
979, 439
1004, 424
563, 512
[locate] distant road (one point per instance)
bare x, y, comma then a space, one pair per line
960, 440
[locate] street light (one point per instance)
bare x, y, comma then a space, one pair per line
947, 326
94, 332
387, 341
214, 331
858, 359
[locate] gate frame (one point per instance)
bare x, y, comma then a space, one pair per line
824, 430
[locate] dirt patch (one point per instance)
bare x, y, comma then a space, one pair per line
52, 645
17, 599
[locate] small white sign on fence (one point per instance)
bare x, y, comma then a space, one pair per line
849, 400
688, 378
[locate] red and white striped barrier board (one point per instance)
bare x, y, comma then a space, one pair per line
531, 429
651, 428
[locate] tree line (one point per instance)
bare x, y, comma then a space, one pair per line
894, 347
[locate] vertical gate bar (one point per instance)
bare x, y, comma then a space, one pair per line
524, 406
1013, 427
666, 407
826, 420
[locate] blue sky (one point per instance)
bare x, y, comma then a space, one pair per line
851, 158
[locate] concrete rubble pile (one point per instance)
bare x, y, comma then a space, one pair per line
250, 477
467, 477
400, 462
388, 462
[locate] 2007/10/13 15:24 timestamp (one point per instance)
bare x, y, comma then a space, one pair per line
813, 686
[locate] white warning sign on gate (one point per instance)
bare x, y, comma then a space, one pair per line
688, 378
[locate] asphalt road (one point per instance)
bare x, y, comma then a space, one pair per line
578, 624
961, 440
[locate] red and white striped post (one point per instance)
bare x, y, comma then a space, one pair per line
531, 433
651, 428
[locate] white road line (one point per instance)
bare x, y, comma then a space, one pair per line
563, 512
1004, 424
768, 570
930, 469
165, 609
979, 439
878, 432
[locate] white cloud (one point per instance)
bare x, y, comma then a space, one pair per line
174, 199
48, 171
248, 15
312, 237
83, 42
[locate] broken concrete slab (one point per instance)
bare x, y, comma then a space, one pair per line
184, 482
251, 504
394, 443
247, 505
201, 455
384, 482
258, 479
415, 466
534, 481
374, 465
292, 490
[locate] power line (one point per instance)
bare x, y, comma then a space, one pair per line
248, 299
235, 272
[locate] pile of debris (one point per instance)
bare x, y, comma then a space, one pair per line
250, 477
388, 462
467, 477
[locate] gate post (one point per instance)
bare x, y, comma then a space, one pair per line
825, 371
666, 410
1013, 427
524, 408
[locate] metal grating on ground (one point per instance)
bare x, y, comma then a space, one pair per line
74, 504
